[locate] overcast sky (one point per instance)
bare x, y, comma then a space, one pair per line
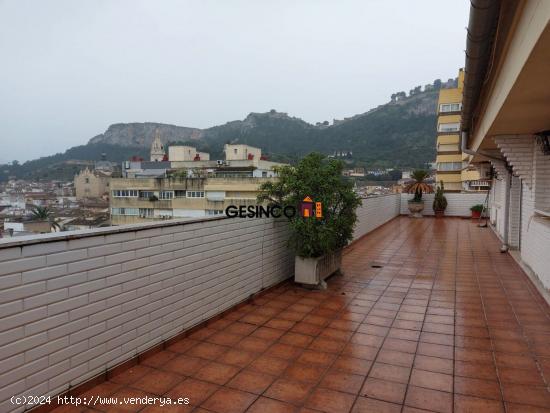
69, 69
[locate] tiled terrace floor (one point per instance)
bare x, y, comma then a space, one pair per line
447, 324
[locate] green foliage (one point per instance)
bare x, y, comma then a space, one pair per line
40, 213
322, 180
56, 167
440, 202
418, 186
477, 208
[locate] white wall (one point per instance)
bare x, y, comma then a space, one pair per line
375, 211
535, 238
458, 204
75, 304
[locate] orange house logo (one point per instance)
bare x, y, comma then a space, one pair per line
308, 208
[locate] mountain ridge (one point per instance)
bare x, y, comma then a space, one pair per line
399, 133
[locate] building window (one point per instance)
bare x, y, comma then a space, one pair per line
450, 107
447, 147
235, 151
146, 212
146, 194
195, 194
125, 193
448, 127
87, 180
264, 174
212, 212
125, 211
449, 166
179, 194
166, 194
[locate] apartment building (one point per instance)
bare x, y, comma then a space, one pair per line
189, 184
451, 163
506, 121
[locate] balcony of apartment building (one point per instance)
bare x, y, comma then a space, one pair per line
428, 315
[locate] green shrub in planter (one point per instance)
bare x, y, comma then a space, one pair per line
476, 208
321, 179
440, 202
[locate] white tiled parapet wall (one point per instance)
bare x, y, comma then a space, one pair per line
75, 304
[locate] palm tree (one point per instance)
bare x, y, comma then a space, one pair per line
40, 213
419, 186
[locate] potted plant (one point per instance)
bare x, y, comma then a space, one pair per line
325, 205
440, 202
418, 187
476, 209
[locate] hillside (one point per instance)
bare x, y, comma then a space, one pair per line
399, 133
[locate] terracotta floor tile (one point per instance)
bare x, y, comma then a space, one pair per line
265, 405
468, 404
296, 339
285, 351
396, 344
304, 372
367, 405
338, 335
520, 376
157, 382
396, 358
196, 390
476, 387
524, 408
239, 328
132, 374
436, 338
207, 351
530, 395
184, 365
360, 351
158, 359
291, 391
253, 344
433, 400
330, 401
280, 324
270, 365
475, 370
390, 372
367, 339
373, 329
229, 401
306, 328
217, 373
402, 334
352, 365
239, 358
327, 345
319, 358
223, 338
435, 350
267, 333
384, 390
432, 380
202, 333
251, 381
342, 381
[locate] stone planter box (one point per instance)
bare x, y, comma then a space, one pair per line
416, 209
314, 271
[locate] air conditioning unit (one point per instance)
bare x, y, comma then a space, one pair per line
220, 162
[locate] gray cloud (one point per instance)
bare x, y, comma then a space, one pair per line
70, 68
